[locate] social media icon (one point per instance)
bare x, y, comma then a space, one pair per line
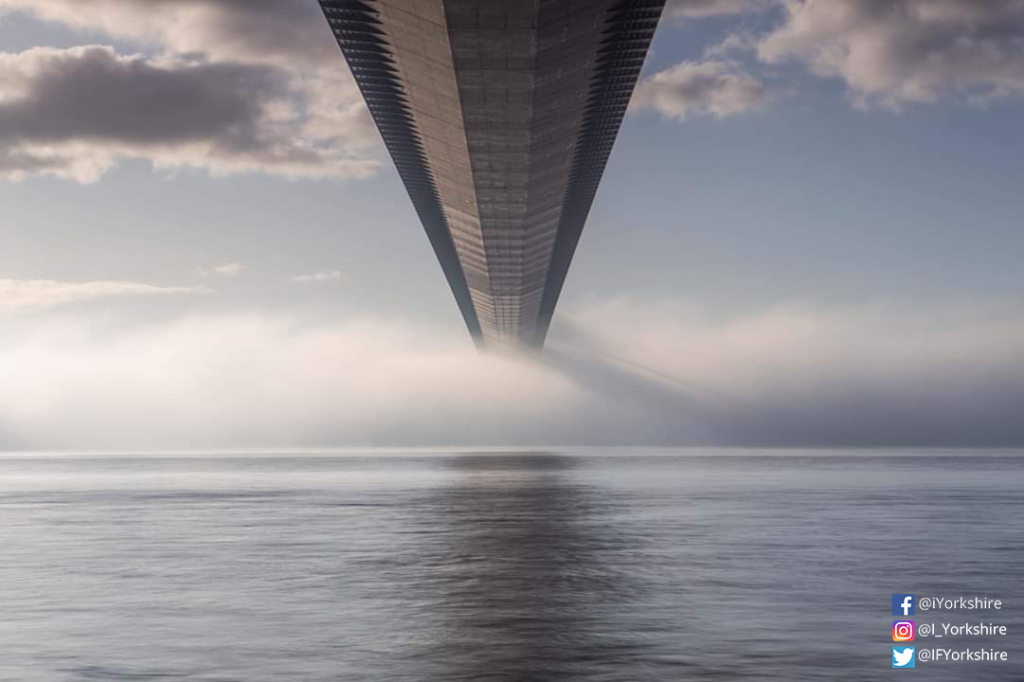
903, 631
903, 605
903, 657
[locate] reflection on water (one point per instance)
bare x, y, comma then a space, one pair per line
497, 567
527, 578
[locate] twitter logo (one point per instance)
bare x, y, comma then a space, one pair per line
903, 657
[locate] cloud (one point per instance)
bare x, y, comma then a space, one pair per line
74, 113
326, 276
797, 374
704, 88
700, 9
225, 270
617, 372
264, 380
890, 53
34, 295
906, 51
731, 44
225, 86
266, 31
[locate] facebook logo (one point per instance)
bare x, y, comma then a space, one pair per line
903, 605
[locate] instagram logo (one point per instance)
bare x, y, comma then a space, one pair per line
903, 631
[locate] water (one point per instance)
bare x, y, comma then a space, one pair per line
498, 567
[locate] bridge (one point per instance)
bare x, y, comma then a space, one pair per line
500, 116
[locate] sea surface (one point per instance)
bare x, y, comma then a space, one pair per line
501, 566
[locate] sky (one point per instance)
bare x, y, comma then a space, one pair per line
808, 235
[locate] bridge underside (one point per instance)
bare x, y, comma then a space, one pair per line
500, 117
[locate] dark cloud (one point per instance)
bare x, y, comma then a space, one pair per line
94, 94
74, 112
227, 86
266, 30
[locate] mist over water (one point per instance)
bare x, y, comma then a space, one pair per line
618, 373
599, 565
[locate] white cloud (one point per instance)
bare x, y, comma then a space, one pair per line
705, 88
731, 44
629, 373
803, 374
906, 51
325, 276
700, 9
229, 269
890, 53
265, 380
34, 295
227, 87
225, 270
